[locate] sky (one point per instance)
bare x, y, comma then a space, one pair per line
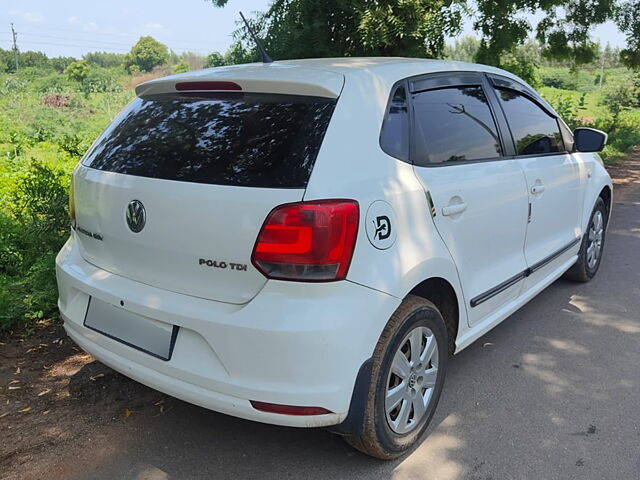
75, 27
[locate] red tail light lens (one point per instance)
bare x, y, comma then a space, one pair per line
308, 241
288, 409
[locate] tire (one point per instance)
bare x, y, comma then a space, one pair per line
387, 436
586, 266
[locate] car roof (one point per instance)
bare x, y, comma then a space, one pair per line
386, 65
319, 76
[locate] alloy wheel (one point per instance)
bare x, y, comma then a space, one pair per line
411, 380
596, 231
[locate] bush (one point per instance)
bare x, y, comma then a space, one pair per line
31, 234
78, 71
181, 67
74, 144
102, 80
53, 83
568, 109
558, 79
617, 99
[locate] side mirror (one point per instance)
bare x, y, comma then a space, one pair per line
589, 139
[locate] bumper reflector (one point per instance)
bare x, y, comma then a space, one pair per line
288, 409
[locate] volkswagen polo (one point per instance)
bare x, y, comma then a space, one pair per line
306, 243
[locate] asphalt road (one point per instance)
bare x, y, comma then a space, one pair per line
551, 393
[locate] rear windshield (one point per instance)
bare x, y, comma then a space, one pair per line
243, 139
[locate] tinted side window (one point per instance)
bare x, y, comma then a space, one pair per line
394, 137
454, 124
534, 131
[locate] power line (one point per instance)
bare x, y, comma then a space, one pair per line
99, 43
173, 41
195, 46
110, 34
119, 50
74, 39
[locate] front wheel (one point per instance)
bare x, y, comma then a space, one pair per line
592, 245
409, 364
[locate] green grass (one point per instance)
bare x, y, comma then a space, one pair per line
46, 125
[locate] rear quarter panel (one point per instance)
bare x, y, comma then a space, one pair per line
352, 165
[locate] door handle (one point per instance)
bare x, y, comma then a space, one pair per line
536, 189
453, 209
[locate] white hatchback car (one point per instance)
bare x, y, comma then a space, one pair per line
306, 242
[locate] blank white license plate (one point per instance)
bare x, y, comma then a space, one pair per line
137, 331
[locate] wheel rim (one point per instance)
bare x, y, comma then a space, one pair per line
411, 380
596, 232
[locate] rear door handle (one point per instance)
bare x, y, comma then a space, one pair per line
536, 189
454, 209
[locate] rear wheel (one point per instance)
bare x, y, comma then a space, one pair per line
592, 245
408, 372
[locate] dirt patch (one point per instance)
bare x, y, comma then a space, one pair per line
625, 174
52, 393
58, 100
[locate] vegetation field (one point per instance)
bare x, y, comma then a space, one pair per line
51, 110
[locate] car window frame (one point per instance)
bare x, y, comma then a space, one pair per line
458, 79
409, 134
489, 83
501, 82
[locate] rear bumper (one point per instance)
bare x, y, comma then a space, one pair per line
293, 344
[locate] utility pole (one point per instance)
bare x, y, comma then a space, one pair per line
15, 46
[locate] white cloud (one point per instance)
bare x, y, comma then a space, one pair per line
29, 17
73, 20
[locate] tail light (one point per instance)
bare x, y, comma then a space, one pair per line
288, 409
72, 204
308, 241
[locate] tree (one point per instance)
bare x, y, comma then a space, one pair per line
628, 19
308, 28
104, 59
146, 54
78, 71
214, 59
417, 28
463, 49
5, 61
181, 67
60, 64
33, 59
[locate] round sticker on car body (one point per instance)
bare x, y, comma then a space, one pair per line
380, 225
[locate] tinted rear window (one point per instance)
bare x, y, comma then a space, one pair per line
243, 139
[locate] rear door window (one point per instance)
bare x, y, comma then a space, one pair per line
534, 131
241, 139
454, 124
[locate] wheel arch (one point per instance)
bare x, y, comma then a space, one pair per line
606, 195
443, 295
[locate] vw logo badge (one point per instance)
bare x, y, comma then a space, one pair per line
136, 216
